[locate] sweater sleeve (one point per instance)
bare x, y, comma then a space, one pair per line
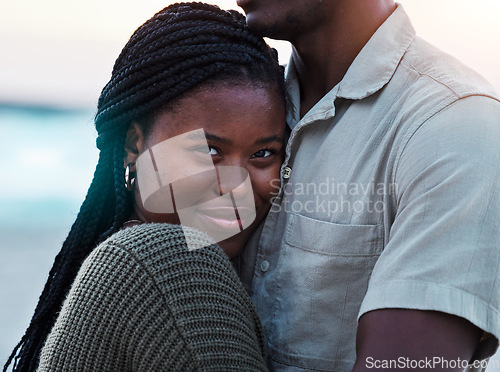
115, 319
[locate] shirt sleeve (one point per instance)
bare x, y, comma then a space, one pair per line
114, 319
443, 251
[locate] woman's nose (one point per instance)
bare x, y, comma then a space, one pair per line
233, 179
235, 182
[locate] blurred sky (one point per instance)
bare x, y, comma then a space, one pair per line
61, 52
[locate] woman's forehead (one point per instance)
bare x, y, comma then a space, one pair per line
221, 108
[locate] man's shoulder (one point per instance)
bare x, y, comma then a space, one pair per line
437, 73
431, 84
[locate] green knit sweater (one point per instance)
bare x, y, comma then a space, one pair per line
143, 302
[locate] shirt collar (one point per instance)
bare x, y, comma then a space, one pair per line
377, 62
372, 68
323, 110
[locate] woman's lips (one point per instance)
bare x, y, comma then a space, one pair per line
227, 218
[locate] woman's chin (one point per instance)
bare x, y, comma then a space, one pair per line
233, 245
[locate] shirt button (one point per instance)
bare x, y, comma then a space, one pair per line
287, 172
264, 265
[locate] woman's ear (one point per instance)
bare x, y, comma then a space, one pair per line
133, 145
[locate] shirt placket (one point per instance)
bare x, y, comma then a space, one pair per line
269, 242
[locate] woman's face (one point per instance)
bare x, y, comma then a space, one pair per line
216, 156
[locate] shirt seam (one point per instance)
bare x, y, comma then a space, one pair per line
426, 282
429, 76
412, 131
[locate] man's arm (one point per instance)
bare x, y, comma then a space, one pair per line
412, 335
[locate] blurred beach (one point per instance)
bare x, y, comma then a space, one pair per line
49, 158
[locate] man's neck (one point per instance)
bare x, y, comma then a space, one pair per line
323, 56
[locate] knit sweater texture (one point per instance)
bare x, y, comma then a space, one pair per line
143, 302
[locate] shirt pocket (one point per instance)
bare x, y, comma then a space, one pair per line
322, 277
333, 239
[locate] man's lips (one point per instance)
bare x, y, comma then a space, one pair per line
243, 3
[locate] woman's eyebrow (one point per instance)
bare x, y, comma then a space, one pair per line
273, 138
260, 141
215, 138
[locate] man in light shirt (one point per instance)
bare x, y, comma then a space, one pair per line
383, 247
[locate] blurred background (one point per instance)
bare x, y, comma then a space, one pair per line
56, 55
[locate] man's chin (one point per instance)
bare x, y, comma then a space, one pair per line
262, 28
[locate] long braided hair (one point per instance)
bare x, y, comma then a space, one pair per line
179, 48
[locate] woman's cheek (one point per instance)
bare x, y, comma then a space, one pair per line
267, 183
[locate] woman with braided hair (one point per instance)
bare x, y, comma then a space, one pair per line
195, 104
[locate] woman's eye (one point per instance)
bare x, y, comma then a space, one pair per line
262, 154
203, 149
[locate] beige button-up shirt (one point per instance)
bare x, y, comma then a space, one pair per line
389, 199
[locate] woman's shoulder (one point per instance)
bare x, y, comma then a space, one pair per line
159, 241
165, 251
157, 235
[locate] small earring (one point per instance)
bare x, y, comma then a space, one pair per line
129, 178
